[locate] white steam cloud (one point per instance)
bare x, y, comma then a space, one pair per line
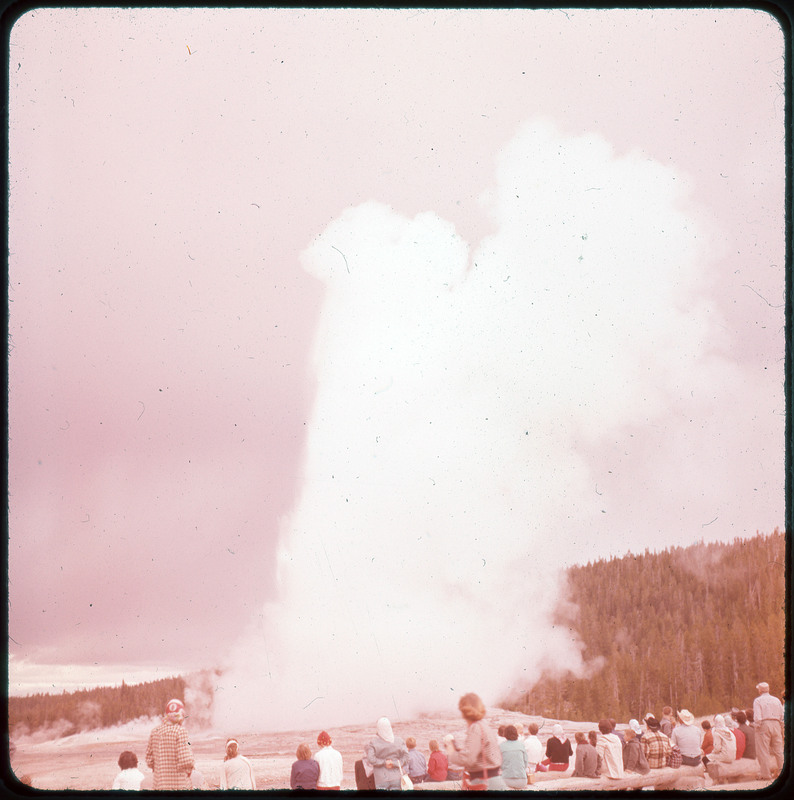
444, 469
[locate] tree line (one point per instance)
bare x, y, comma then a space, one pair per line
695, 627
86, 709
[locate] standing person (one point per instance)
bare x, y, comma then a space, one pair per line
438, 765
610, 751
534, 748
388, 755
749, 735
655, 744
480, 756
236, 771
688, 737
305, 770
586, 761
168, 753
330, 761
417, 766
514, 759
667, 722
768, 716
558, 750
130, 776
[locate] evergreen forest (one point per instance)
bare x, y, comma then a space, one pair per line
695, 627
70, 712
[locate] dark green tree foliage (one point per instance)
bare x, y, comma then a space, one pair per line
695, 627
87, 709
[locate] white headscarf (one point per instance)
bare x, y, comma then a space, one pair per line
558, 732
384, 729
635, 726
719, 721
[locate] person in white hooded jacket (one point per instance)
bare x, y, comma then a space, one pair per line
387, 754
724, 750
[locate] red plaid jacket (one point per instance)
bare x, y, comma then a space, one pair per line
169, 756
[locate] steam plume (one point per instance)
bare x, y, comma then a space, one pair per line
446, 478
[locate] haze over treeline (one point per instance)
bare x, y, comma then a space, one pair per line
690, 627
693, 627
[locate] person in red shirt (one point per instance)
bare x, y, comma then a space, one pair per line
437, 766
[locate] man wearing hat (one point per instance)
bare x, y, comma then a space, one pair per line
688, 737
655, 744
168, 753
768, 716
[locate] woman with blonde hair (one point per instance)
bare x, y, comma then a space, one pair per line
480, 756
236, 772
305, 771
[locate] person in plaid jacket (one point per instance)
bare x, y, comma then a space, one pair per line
655, 744
168, 753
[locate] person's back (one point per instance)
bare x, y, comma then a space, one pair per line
610, 751
724, 749
585, 758
237, 773
749, 735
417, 765
438, 765
688, 737
514, 759
634, 759
330, 761
129, 779
655, 745
534, 747
168, 752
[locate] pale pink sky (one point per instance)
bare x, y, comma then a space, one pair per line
168, 168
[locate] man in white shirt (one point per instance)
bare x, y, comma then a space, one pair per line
688, 737
768, 717
610, 751
330, 761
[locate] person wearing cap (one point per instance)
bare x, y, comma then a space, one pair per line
688, 737
330, 761
237, 771
768, 716
655, 744
168, 752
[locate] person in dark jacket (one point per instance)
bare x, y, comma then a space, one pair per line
586, 763
634, 759
305, 770
558, 750
749, 735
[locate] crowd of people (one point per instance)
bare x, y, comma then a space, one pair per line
489, 757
